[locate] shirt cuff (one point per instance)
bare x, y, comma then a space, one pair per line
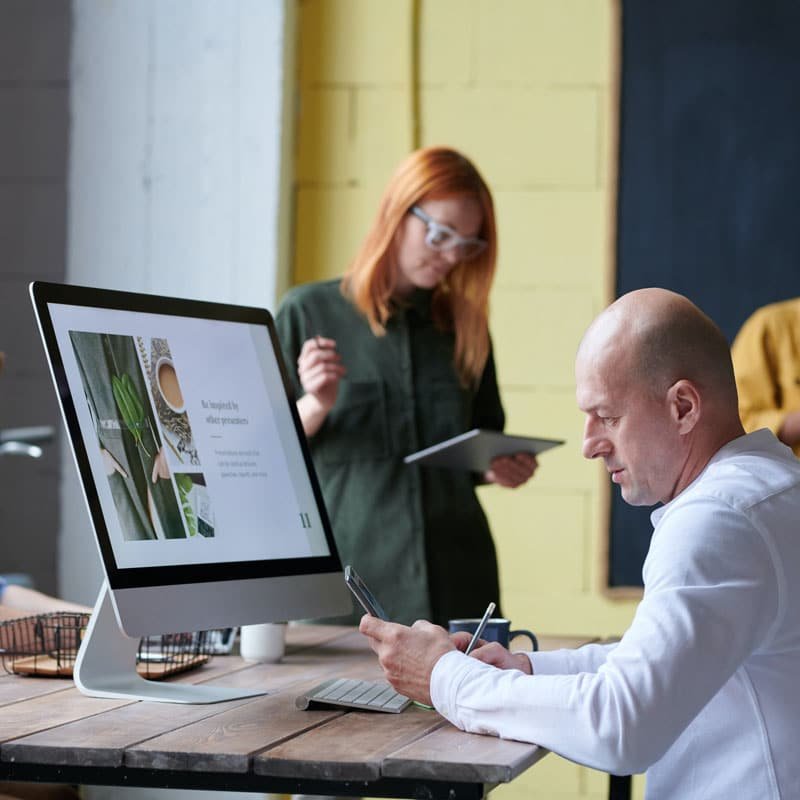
552, 662
451, 669
447, 675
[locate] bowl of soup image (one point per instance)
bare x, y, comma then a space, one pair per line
168, 386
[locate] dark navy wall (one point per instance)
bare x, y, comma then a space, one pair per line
709, 173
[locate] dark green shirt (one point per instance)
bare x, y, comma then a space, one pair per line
417, 535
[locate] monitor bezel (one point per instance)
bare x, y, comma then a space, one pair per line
43, 294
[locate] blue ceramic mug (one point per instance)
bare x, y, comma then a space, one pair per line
496, 630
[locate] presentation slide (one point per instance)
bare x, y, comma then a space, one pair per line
190, 439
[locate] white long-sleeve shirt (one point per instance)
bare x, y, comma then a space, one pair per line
703, 690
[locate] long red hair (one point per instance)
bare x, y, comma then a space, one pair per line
461, 301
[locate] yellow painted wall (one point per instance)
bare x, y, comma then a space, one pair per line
526, 88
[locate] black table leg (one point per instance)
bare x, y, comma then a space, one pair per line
619, 787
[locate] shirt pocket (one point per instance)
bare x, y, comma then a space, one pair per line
443, 411
357, 428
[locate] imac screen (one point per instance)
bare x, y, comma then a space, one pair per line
189, 437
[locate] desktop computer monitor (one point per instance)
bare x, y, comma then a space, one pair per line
196, 473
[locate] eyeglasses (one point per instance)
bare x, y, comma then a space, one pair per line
441, 237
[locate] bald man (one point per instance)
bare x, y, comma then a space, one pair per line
702, 690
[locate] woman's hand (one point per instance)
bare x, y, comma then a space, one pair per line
511, 471
320, 369
498, 656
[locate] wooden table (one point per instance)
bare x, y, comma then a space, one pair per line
51, 732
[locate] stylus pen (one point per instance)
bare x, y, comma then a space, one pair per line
479, 630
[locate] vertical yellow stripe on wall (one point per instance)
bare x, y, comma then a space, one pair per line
527, 89
354, 123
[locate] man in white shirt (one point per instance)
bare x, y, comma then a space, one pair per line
701, 692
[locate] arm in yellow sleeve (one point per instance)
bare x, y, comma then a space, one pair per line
757, 375
766, 359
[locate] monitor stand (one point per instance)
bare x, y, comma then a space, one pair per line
106, 666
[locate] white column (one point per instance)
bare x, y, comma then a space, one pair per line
179, 173
178, 177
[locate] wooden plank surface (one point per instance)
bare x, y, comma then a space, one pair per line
351, 747
50, 710
301, 635
449, 754
14, 688
48, 722
103, 738
228, 741
32, 705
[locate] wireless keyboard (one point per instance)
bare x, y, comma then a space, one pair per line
350, 693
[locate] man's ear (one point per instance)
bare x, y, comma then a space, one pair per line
685, 405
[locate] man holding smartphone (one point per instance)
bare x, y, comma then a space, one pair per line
701, 690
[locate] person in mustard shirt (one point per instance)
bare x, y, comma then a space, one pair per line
766, 360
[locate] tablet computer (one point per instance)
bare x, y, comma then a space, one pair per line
475, 449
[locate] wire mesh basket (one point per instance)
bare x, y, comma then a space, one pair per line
47, 645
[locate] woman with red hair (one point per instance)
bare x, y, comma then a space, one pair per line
395, 357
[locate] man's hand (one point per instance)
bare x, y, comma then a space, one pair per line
407, 655
511, 471
492, 653
495, 654
461, 640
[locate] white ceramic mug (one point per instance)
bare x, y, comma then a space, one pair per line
265, 642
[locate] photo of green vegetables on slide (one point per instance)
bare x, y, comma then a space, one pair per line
195, 503
130, 407
130, 444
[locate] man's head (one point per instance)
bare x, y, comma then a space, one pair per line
655, 380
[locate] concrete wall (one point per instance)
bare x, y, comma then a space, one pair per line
170, 179
34, 121
181, 116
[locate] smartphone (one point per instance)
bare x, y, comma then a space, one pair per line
363, 594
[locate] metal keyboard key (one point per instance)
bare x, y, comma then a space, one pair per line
372, 693
355, 694
350, 693
395, 703
338, 690
385, 696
